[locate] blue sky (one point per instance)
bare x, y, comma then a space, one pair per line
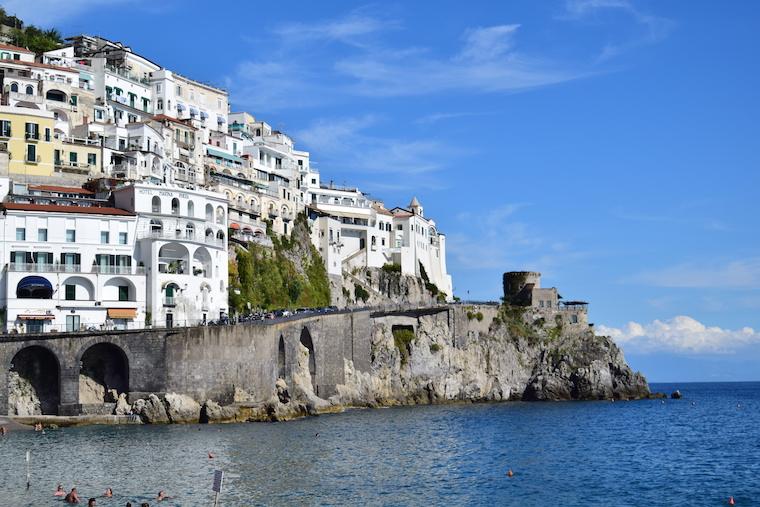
609, 144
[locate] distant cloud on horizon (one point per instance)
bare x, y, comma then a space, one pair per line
681, 335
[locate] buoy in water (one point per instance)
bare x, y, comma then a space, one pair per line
510, 473
731, 501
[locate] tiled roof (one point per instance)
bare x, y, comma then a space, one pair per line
51, 208
67, 190
39, 65
163, 117
11, 47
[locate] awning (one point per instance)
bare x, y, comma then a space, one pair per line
220, 119
226, 156
180, 106
234, 226
204, 115
34, 287
193, 110
85, 76
122, 313
36, 317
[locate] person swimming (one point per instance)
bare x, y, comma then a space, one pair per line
59, 491
72, 497
108, 493
91, 502
162, 496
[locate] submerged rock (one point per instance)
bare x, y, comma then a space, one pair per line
676, 395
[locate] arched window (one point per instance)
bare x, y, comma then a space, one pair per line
209, 213
175, 206
190, 231
30, 90
190, 209
240, 200
219, 215
156, 204
14, 87
220, 236
209, 234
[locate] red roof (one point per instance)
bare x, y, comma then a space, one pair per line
52, 208
163, 117
38, 64
66, 190
11, 47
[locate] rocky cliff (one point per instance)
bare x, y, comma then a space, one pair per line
470, 354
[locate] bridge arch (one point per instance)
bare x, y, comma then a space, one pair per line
34, 382
103, 366
307, 342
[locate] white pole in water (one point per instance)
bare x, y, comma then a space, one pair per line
217, 486
28, 459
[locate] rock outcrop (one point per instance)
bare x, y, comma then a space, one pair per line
181, 408
22, 397
151, 410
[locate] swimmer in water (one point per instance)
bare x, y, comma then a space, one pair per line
162, 496
59, 491
72, 497
108, 493
91, 502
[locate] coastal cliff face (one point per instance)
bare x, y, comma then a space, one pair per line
506, 359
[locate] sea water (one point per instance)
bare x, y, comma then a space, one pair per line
695, 451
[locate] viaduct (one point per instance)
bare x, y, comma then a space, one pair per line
202, 362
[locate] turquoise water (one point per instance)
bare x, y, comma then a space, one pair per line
696, 451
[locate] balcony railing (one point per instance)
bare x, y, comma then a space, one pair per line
170, 301
168, 236
126, 74
74, 268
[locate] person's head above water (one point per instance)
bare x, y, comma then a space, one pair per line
91, 502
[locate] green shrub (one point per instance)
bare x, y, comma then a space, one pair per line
479, 316
403, 337
392, 268
360, 293
470, 315
434, 347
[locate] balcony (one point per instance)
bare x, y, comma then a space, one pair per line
31, 267
117, 270
273, 213
170, 301
19, 97
168, 236
72, 167
288, 216
127, 75
32, 136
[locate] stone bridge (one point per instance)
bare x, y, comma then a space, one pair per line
202, 362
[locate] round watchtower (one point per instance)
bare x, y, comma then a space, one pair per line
515, 281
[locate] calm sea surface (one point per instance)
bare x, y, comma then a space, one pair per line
696, 451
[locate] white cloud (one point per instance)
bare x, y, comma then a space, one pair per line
736, 274
483, 44
47, 13
680, 334
350, 29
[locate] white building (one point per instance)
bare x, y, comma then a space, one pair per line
181, 239
70, 263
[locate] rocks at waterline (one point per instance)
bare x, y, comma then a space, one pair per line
181, 408
676, 395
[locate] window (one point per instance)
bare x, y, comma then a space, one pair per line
179, 90
122, 238
47, 135
156, 204
71, 292
14, 87
5, 128
32, 131
20, 234
31, 153
71, 236
399, 227
158, 88
541, 304
175, 206
98, 114
73, 158
92, 158
160, 104
123, 292
574, 318
104, 237
42, 235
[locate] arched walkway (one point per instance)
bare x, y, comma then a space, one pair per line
309, 344
281, 358
104, 366
34, 382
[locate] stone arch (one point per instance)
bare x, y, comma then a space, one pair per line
111, 289
34, 386
175, 206
84, 290
307, 342
56, 95
191, 209
202, 262
155, 204
220, 215
281, 358
103, 366
173, 258
209, 213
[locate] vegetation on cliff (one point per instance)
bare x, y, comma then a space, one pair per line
29, 36
289, 275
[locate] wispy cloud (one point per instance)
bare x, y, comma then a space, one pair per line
347, 145
681, 334
429, 119
652, 29
736, 274
500, 239
363, 64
